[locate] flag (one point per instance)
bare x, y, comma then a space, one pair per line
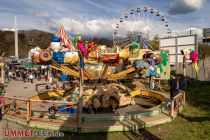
65, 40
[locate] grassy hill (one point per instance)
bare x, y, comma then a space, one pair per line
26, 41
32, 38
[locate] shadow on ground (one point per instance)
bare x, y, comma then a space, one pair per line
195, 119
141, 135
197, 94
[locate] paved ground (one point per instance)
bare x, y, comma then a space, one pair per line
21, 89
18, 89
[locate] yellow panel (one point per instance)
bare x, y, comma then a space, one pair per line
147, 93
48, 95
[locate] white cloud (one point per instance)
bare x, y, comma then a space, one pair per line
187, 31
185, 6
104, 27
7, 29
97, 27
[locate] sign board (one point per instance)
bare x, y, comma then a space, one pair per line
175, 44
168, 42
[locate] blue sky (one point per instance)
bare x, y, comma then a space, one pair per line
97, 17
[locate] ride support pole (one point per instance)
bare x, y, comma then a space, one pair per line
184, 66
80, 102
79, 112
28, 111
2, 73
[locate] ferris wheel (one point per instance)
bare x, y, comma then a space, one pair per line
142, 23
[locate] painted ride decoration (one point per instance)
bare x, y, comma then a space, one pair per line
147, 67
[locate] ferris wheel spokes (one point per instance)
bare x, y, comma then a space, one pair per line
144, 20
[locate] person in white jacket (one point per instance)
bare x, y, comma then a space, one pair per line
31, 77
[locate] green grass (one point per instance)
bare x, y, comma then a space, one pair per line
193, 123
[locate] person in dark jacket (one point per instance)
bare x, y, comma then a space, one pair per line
24, 76
173, 85
182, 83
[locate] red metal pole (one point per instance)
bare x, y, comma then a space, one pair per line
28, 111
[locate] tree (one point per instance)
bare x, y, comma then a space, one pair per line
26, 41
155, 43
203, 50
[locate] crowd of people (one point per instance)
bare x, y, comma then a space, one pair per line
56, 78
27, 75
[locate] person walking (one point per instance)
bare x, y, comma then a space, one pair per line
27, 76
9, 75
51, 79
24, 76
31, 77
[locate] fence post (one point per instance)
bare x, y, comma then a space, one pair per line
184, 66
3, 106
28, 111
172, 108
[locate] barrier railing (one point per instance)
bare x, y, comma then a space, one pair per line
15, 106
54, 87
177, 104
43, 85
43, 110
53, 111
